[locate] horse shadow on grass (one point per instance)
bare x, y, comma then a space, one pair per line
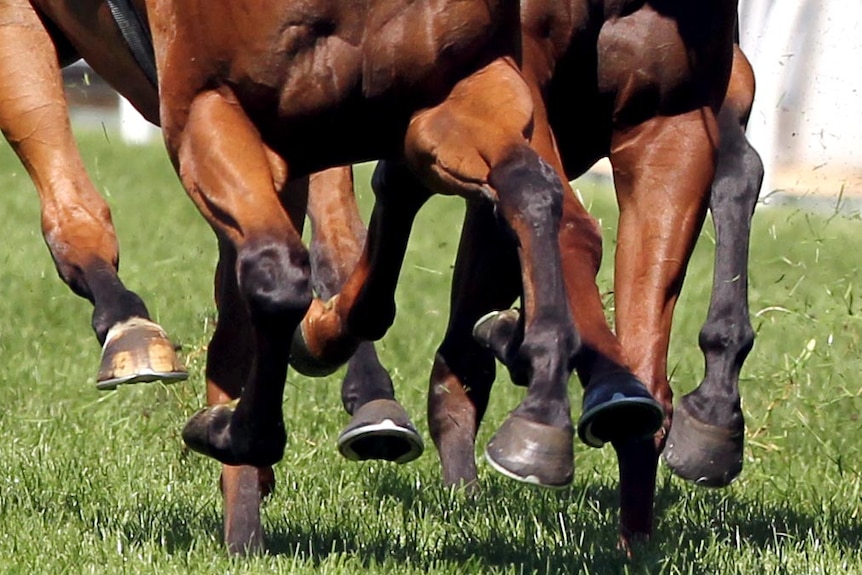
574, 530
515, 528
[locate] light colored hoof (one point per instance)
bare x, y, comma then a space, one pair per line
138, 350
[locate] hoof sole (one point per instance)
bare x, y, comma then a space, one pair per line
617, 409
701, 453
381, 430
136, 351
532, 453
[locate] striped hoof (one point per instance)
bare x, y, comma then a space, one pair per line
380, 429
702, 453
532, 452
138, 350
617, 408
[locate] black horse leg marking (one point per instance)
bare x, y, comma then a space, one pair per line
705, 444
486, 277
534, 444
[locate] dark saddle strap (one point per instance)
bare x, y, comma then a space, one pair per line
137, 36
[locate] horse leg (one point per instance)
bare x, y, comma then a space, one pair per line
76, 220
234, 182
467, 146
229, 356
705, 444
379, 427
364, 308
616, 404
485, 279
662, 207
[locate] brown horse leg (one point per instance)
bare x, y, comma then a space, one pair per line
469, 146
617, 405
233, 182
662, 206
229, 357
485, 279
76, 220
705, 443
380, 427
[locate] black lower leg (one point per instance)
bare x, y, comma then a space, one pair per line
112, 302
706, 440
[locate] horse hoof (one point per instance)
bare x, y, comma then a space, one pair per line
138, 350
498, 330
320, 363
616, 408
380, 429
210, 432
532, 452
704, 454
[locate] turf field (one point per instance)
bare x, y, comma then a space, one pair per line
94, 482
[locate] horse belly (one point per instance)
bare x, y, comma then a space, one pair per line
648, 66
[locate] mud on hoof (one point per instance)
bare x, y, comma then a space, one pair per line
210, 432
532, 452
380, 429
322, 362
616, 408
138, 350
702, 453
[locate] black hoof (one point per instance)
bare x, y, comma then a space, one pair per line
306, 363
704, 454
209, 432
380, 429
532, 453
617, 408
499, 331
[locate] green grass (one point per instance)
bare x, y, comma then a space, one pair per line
96, 482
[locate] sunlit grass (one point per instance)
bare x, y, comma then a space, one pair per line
101, 483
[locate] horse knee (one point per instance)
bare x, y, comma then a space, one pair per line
275, 282
528, 189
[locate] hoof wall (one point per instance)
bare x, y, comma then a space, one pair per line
532, 453
209, 432
321, 363
382, 430
495, 330
136, 351
616, 409
701, 453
